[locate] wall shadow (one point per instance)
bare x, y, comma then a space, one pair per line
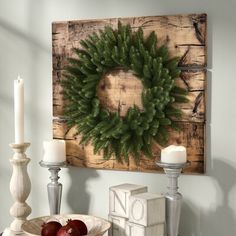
32, 41
219, 219
208, 94
189, 227
78, 196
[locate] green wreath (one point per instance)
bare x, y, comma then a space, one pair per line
132, 134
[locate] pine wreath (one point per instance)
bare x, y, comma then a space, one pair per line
130, 135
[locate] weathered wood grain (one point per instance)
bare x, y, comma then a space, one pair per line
191, 136
185, 37
119, 90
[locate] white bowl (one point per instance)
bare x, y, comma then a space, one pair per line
96, 226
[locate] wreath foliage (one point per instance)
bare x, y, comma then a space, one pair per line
130, 135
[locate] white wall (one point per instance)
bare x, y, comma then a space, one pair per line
209, 207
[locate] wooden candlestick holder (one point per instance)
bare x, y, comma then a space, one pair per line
54, 188
173, 197
20, 187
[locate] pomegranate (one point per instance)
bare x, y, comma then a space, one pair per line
68, 230
80, 225
50, 228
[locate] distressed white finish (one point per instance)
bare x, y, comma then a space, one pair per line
20, 187
118, 225
119, 198
133, 229
147, 209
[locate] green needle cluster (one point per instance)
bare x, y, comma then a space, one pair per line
133, 134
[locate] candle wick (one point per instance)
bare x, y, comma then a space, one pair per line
18, 78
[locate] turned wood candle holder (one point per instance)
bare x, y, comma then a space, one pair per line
20, 187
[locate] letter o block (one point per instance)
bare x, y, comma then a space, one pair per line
147, 209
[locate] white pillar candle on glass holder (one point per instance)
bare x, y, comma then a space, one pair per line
19, 110
54, 151
174, 154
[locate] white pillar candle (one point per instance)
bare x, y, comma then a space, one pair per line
174, 154
19, 110
54, 151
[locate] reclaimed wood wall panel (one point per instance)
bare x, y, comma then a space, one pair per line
185, 36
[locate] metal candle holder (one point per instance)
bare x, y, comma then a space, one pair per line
173, 197
54, 188
20, 187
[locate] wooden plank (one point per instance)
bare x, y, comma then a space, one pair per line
191, 136
116, 93
185, 35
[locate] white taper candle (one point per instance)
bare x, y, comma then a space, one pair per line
19, 110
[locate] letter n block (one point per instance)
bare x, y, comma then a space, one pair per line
147, 209
119, 198
133, 229
118, 225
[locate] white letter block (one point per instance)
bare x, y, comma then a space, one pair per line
140, 230
119, 198
118, 225
147, 209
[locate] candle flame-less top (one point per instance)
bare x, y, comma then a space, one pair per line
174, 154
19, 78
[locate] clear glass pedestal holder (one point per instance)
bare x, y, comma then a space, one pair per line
173, 197
20, 188
54, 188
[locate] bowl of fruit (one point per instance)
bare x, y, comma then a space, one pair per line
66, 225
